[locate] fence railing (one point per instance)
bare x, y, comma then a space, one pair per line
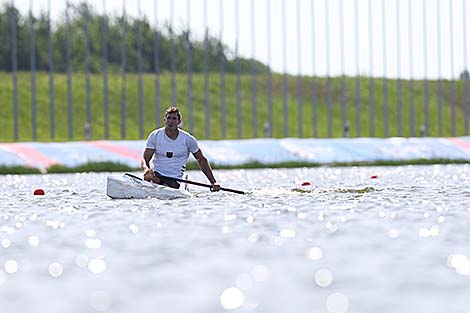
238, 68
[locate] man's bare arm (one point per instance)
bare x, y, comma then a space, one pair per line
145, 165
148, 154
206, 169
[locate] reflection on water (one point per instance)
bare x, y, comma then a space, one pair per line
363, 239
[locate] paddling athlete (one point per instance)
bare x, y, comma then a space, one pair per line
167, 151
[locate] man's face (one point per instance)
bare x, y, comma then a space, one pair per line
172, 120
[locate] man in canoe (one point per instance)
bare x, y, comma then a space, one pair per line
167, 151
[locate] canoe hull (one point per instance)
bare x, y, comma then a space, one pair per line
126, 187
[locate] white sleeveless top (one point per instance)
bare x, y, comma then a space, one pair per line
170, 155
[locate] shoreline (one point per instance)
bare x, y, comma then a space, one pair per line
125, 155
119, 167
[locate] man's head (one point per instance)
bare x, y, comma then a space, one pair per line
172, 117
173, 112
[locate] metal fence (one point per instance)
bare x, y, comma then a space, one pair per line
334, 68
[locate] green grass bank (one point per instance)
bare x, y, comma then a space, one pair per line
312, 111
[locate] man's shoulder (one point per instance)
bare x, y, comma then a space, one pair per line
186, 133
190, 141
154, 136
157, 131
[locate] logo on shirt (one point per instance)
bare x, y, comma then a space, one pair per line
169, 154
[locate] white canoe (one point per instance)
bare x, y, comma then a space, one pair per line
127, 187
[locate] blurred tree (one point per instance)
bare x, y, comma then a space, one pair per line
216, 49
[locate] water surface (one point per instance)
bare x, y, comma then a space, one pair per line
365, 239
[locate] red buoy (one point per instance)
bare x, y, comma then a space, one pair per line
306, 183
374, 176
39, 192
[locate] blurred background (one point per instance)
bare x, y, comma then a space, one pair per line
81, 70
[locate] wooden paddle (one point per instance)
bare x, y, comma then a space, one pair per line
192, 182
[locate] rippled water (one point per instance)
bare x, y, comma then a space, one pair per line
367, 239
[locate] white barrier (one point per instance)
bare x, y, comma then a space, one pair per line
236, 152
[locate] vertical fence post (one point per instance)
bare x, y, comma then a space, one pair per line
314, 79
439, 67
254, 101
384, 60
50, 49
14, 69
69, 71
172, 54
371, 79
123, 70
399, 83
222, 71
269, 128
411, 82
88, 125
190, 66
206, 74
344, 122
299, 73
238, 83
139, 71
425, 68
284, 62
465, 73
33, 71
452, 79
156, 60
104, 29
328, 73
358, 78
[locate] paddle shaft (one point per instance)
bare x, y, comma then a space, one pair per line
193, 183
202, 184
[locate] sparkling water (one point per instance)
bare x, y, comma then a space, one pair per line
361, 239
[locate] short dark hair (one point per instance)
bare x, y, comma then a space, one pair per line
173, 109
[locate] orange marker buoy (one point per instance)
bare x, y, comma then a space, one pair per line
306, 183
39, 192
374, 176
